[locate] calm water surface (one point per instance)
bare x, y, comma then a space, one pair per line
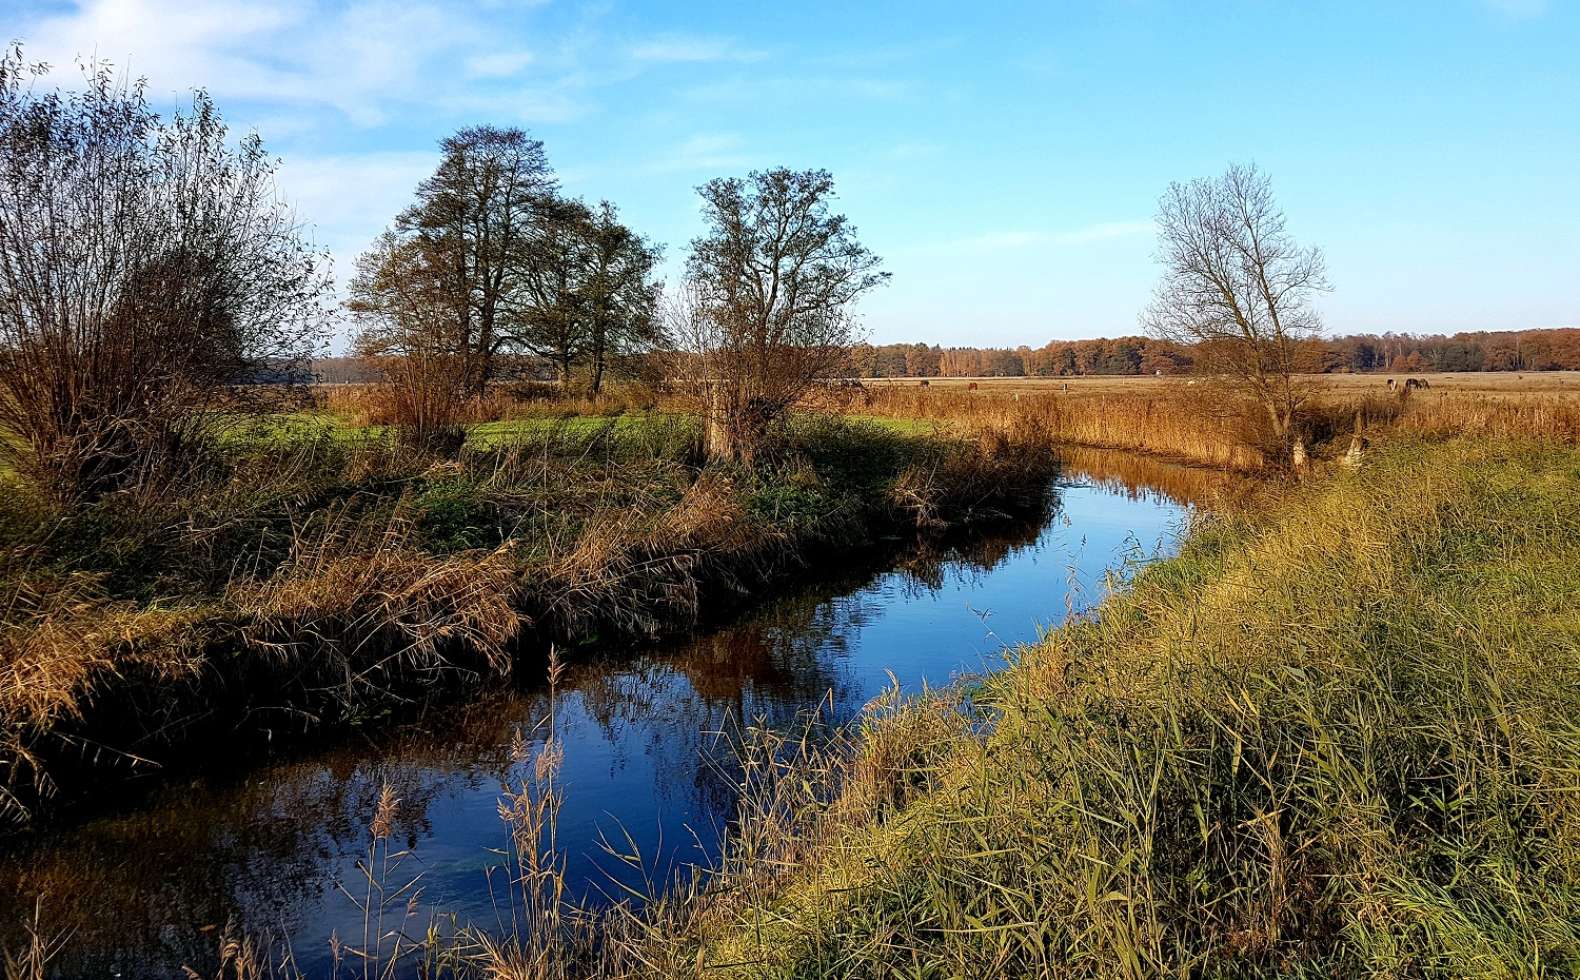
146, 891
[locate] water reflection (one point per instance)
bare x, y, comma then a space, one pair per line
146, 891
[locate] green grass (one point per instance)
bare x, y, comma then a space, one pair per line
1336, 736
288, 427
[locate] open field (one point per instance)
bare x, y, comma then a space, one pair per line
1501, 383
1191, 420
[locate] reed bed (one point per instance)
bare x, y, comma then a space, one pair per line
1207, 425
1183, 425
1551, 418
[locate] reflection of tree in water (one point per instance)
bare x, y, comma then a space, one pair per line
771, 668
972, 556
148, 890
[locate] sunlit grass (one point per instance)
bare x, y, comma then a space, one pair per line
1336, 736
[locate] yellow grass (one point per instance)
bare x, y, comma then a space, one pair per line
1188, 419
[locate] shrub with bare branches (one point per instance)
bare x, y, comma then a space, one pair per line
148, 270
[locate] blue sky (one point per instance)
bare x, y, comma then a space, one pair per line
1004, 158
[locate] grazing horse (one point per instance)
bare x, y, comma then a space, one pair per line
925, 383
1392, 384
972, 386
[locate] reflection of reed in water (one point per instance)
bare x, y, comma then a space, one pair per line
1149, 478
146, 891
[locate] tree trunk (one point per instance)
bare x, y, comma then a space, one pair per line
1280, 431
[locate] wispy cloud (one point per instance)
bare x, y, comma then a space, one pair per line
686, 48
705, 152
798, 90
360, 61
500, 64
1104, 231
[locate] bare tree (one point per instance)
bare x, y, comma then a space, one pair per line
766, 310
1239, 288
147, 269
456, 256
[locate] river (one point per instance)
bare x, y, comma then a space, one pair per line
272, 848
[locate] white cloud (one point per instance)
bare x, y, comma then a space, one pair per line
800, 91
670, 48
361, 60
705, 152
346, 200
502, 64
1104, 231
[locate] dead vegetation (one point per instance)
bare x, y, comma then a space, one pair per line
320, 582
1201, 423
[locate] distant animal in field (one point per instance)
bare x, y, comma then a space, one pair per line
1067, 387
926, 383
1412, 384
972, 386
1392, 384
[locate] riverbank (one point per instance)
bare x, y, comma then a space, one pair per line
313, 582
1334, 736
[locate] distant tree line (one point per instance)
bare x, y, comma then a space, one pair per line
1397, 353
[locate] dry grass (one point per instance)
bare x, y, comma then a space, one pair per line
1193, 421
325, 582
1177, 423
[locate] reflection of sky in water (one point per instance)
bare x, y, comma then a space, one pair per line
270, 844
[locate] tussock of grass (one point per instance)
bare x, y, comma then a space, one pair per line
1334, 737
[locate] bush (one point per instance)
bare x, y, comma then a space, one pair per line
149, 270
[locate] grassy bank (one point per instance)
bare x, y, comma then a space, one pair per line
1336, 736
305, 580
